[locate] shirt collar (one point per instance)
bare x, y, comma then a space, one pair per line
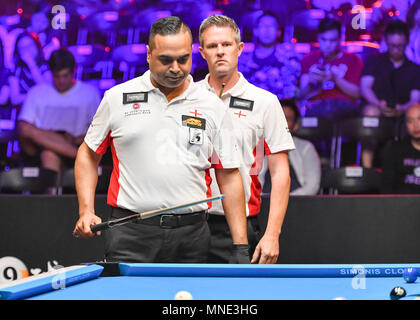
146, 83
237, 90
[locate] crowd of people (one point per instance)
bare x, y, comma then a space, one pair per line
55, 108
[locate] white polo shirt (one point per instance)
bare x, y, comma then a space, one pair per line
71, 111
161, 151
260, 128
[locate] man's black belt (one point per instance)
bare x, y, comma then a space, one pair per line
168, 220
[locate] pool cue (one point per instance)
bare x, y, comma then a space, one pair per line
148, 214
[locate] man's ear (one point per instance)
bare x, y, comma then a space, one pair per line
200, 48
240, 48
148, 51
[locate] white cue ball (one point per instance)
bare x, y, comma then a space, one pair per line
183, 295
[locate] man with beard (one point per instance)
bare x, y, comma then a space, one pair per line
163, 131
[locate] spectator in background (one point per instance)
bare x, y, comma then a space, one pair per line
41, 26
55, 117
384, 12
413, 21
4, 75
272, 66
30, 67
401, 159
390, 82
330, 76
305, 165
4, 87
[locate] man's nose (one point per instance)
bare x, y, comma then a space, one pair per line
220, 50
175, 67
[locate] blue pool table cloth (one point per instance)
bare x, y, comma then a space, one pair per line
218, 282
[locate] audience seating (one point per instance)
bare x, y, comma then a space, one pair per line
28, 180
351, 180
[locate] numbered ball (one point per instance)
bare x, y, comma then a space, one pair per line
410, 275
397, 293
183, 295
12, 268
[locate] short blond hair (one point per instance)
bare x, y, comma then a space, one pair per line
219, 21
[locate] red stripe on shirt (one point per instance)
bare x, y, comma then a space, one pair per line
114, 186
104, 145
254, 202
215, 161
208, 182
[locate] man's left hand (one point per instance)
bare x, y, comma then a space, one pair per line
267, 251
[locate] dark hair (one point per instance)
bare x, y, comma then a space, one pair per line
328, 24
61, 59
397, 27
290, 103
267, 13
34, 37
167, 26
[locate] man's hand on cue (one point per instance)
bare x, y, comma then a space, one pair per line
82, 228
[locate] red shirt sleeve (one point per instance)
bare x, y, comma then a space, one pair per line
355, 67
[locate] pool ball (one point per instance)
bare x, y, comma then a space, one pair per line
410, 275
397, 293
183, 295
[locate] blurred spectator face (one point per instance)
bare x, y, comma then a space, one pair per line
290, 118
413, 121
39, 22
329, 42
27, 47
170, 59
396, 44
267, 31
220, 50
63, 79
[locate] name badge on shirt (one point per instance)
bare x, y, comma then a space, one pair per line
134, 97
240, 103
196, 136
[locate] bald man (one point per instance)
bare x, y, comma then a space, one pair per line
401, 159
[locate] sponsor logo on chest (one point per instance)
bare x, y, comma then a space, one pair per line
136, 102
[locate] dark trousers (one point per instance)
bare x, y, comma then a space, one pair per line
142, 243
221, 238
